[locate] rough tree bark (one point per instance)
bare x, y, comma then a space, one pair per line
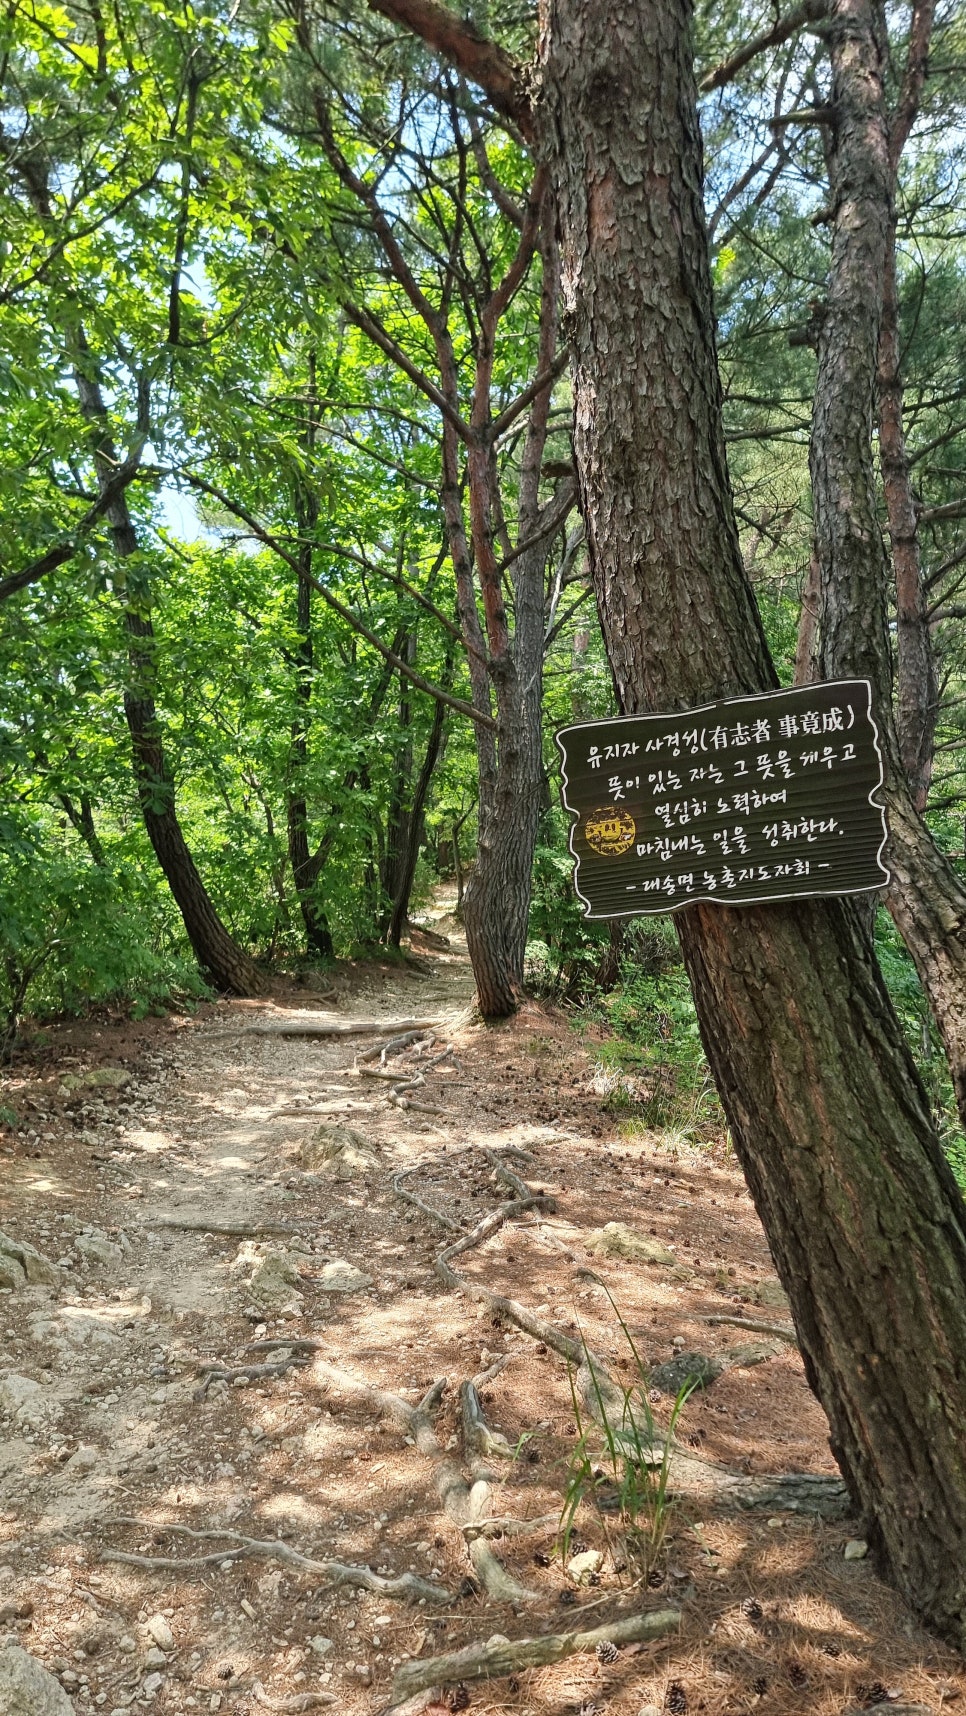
865, 1222
926, 898
917, 679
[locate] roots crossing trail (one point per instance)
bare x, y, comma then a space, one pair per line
263, 1446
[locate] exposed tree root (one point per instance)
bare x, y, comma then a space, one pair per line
317, 1025
500, 1656
414, 1198
404, 1585
515, 1183
794, 1492
460, 1503
478, 1436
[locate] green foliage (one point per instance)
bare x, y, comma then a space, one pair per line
621, 1460
923, 1039
71, 934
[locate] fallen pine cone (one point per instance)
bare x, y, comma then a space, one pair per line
606, 1651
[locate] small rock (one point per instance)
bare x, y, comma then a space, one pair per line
97, 1248
27, 1689
697, 1368
127, 1644
23, 1399
649, 1710
771, 1292
151, 1684
341, 1277
583, 1566
340, 1151
616, 1239
321, 1645
275, 1279
21, 1265
155, 1658
83, 1459
856, 1549
158, 1629
888, 1709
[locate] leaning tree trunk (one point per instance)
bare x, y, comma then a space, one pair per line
217, 951
829, 1117
926, 897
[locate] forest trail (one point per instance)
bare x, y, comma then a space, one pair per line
211, 1194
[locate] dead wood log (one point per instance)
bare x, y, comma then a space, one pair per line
317, 1025
499, 1656
406, 1585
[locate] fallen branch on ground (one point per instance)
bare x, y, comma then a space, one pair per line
251, 1373
230, 1229
499, 1657
783, 1331
300, 1700
414, 1198
405, 1585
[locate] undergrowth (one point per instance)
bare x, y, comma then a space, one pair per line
620, 1464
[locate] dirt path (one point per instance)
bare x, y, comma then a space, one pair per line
230, 1194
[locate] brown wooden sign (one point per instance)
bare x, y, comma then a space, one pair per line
747, 800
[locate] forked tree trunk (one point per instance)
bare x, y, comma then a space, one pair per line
926, 897
829, 1118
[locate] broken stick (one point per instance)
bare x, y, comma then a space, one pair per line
500, 1656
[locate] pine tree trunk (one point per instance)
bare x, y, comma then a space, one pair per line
496, 900
829, 1118
926, 897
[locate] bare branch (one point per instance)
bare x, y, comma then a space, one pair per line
809, 12
481, 61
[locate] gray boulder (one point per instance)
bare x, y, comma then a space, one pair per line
27, 1689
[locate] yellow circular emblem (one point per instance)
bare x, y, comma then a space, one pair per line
609, 831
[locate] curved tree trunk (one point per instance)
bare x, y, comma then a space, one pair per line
228, 965
866, 1225
926, 897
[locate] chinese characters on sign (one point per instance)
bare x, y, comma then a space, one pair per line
752, 799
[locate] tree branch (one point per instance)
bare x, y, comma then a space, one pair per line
481, 61
258, 530
55, 557
809, 12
